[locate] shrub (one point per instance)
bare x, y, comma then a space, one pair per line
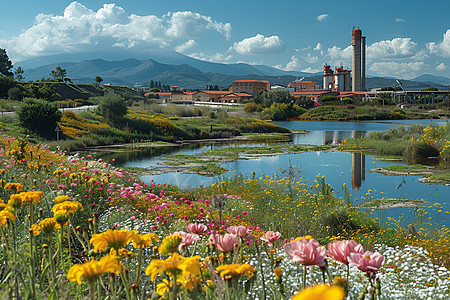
112, 107
39, 116
251, 107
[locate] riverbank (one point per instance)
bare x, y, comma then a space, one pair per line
360, 113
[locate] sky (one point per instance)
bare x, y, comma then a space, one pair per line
404, 39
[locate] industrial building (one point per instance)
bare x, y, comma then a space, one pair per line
359, 61
338, 80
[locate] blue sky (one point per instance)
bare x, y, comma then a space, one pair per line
404, 38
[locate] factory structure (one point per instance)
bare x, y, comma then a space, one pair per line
359, 61
340, 79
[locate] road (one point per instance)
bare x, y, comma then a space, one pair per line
74, 109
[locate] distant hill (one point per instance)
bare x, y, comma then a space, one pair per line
163, 56
431, 78
172, 68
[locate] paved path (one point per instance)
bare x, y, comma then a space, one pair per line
74, 109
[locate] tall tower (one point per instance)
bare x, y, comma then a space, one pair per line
359, 61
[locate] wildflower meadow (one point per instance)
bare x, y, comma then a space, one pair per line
77, 228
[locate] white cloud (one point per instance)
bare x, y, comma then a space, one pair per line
185, 46
311, 70
82, 29
259, 44
443, 48
441, 67
311, 59
292, 65
399, 20
338, 55
303, 49
211, 58
318, 47
396, 48
322, 17
400, 70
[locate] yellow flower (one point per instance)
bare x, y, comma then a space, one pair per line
235, 270
170, 244
277, 272
163, 287
2, 203
320, 292
144, 240
32, 196
17, 187
5, 216
46, 225
61, 216
15, 201
57, 172
174, 266
68, 206
112, 239
61, 199
92, 270
122, 252
308, 237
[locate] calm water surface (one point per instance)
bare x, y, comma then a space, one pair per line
337, 167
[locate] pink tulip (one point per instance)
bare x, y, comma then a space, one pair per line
340, 250
196, 228
188, 239
237, 230
225, 243
271, 236
367, 262
308, 252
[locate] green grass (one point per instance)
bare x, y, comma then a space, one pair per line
406, 169
388, 157
208, 170
444, 176
388, 202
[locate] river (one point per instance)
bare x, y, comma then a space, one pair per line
353, 169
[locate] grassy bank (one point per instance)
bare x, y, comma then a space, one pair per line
359, 113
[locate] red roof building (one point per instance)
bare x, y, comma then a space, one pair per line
252, 87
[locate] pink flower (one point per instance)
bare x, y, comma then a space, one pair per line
308, 252
367, 262
188, 239
196, 228
271, 236
225, 243
237, 230
340, 250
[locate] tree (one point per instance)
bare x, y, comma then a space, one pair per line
113, 107
152, 84
6, 83
39, 116
15, 93
216, 87
18, 73
58, 73
5, 64
154, 90
98, 79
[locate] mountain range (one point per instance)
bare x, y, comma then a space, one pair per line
173, 68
